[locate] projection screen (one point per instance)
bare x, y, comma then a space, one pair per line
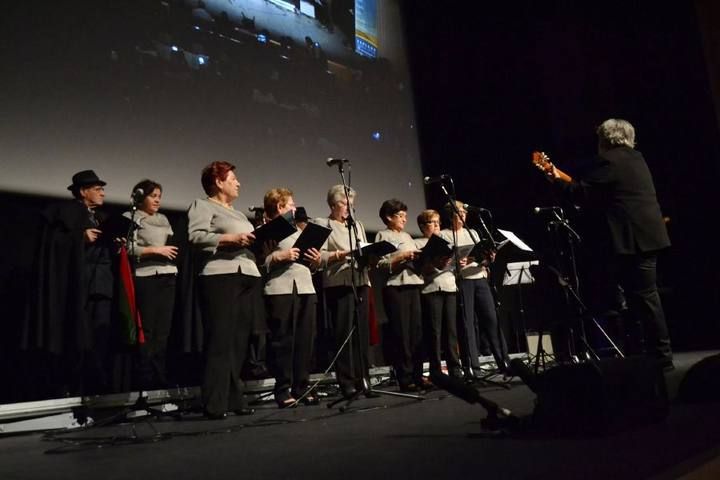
159, 89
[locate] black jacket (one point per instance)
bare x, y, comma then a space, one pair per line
621, 211
66, 273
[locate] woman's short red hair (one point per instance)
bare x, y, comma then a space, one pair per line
211, 173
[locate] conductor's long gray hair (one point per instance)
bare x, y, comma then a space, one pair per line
615, 132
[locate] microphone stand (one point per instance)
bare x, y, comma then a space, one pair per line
141, 403
456, 259
131, 231
502, 347
458, 279
355, 271
571, 284
497, 417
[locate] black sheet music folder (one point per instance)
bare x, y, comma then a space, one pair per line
277, 229
436, 247
313, 236
377, 249
115, 226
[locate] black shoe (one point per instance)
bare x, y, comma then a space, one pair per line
349, 392
215, 416
503, 366
260, 371
425, 384
409, 388
484, 371
244, 411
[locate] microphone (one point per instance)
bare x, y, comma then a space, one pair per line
472, 207
137, 195
497, 417
336, 161
438, 179
545, 209
459, 388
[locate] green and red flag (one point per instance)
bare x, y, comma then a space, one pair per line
130, 322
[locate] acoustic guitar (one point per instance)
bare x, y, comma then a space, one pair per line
543, 163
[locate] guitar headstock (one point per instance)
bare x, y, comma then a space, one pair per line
542, 161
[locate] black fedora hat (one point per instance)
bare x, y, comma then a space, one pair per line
301, 214
85, 179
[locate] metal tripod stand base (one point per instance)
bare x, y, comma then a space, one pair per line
349, 401
485, 380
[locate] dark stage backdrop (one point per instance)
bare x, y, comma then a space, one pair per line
159, 89
496, 80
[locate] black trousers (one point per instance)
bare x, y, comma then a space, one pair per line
291, 319
637, 275
229, 303
478, 303
95, 368
402, 306
440, 326
155, 299
352, 363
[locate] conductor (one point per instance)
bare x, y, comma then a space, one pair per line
624, 231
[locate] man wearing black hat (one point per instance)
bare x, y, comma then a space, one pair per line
69, 316
301, 218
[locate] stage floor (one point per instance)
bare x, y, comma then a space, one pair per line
390, 437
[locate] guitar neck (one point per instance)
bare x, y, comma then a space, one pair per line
562, 176
542, 161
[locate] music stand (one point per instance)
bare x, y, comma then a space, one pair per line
566, 240
518, 274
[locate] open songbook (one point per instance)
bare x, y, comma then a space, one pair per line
377, 249
474, 250
501, 237
313, 236
512, 238
277, 229
436, 247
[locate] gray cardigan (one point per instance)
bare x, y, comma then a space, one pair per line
337, 274
153, 231
207, 221
403, 275
438, 280
473, 270
283, 277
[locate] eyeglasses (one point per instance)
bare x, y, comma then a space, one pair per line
400, 214
432, 222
